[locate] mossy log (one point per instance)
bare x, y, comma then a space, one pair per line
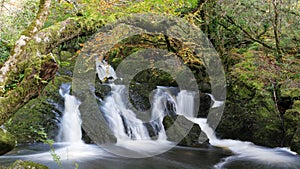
36, 66
11, 66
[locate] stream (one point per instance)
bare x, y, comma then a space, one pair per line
136, 149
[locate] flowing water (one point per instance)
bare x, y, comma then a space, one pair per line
132, 134
70, 129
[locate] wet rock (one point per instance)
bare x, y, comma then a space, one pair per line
259, 102
295, 144
183, 131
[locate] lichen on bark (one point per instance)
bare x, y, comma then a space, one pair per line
37, 64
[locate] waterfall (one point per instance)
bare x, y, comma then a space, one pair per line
132, 133
122, 121
105, 71
126, 126
70, 129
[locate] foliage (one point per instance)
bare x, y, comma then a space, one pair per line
13, 20
273, 25
59, 11
259, 42
16, 21
19, 164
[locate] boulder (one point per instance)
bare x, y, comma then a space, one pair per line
7, 141
38, 119
293, 127
182, 129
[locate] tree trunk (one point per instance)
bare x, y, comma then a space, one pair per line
31, 69
11, 67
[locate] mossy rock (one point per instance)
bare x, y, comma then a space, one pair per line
290, 92
7, 141
19, 164
38, 118
179, 130
251, 117
251, 112
295, 144
292, 123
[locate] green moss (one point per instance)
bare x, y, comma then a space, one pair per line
290, 92
295, 144
7, 141
27, 165
250, 113
36, 120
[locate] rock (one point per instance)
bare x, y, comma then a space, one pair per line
179, 130
292, 117
252, 118
295, 144
38, 118
259, 102
19, 164
250, 112
7, 141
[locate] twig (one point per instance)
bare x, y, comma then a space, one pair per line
278, 112
229, 19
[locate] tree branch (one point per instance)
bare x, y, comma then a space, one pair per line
247, 34
37, 64
275, 27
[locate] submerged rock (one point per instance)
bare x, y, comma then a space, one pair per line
7, 141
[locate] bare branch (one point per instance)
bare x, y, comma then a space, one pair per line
275, 4
247, 34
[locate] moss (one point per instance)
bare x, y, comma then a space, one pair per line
7, 141
37, 118
292, 127
295, 144
27, 165
250, 113
290, 92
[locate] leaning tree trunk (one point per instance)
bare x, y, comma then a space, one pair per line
31, 64
12, 68
12, 92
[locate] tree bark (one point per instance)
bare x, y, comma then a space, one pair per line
11, 68
36, 64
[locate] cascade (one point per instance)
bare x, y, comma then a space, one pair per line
105, 71
70, 129
123, 121
132, 134
126, 126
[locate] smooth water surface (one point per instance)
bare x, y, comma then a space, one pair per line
95, 157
